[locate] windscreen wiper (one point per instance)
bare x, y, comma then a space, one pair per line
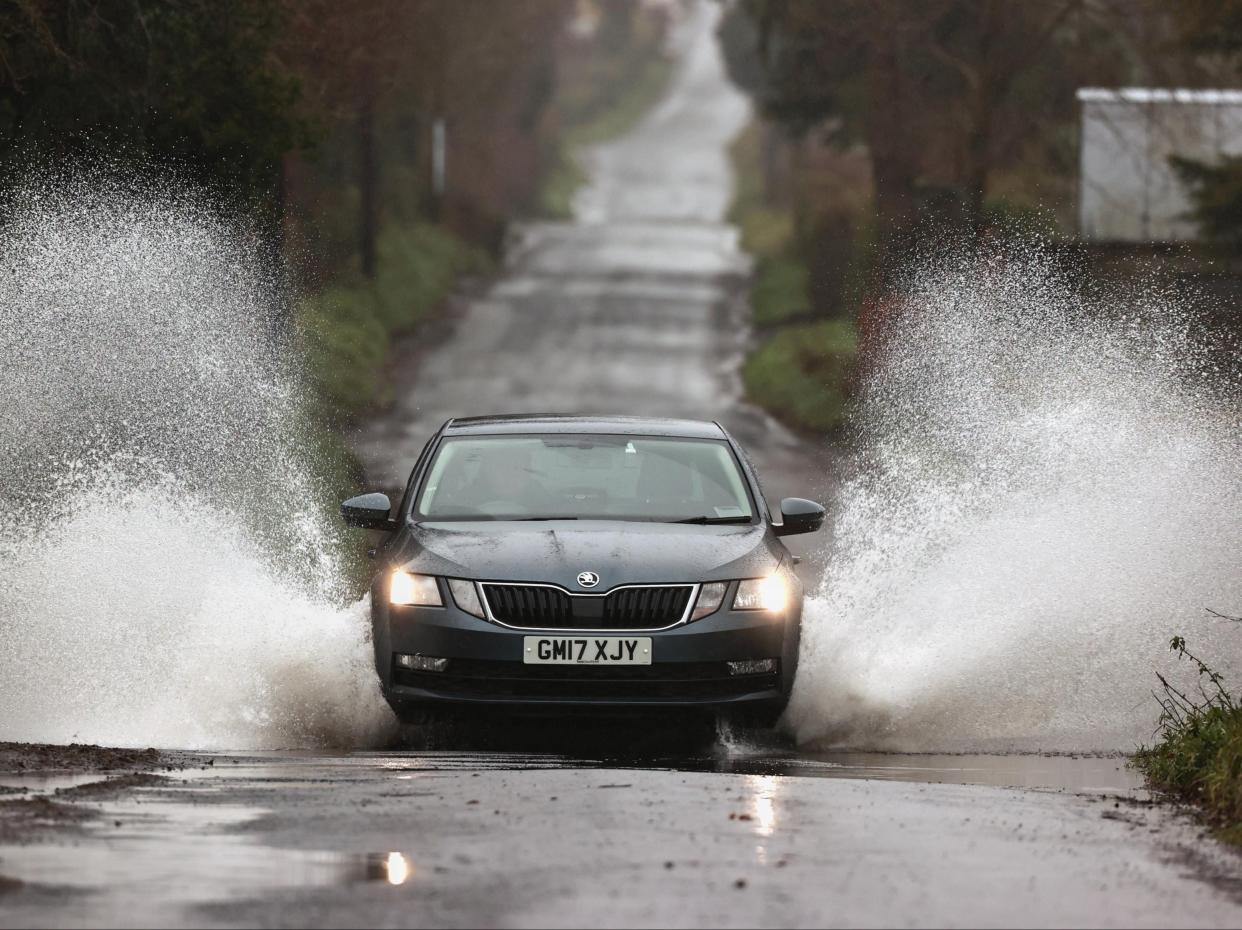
532, 519
713, 520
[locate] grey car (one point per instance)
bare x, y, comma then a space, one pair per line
555, 562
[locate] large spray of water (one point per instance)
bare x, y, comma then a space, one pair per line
1047, 489
165, 574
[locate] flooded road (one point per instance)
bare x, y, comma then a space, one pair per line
729, 838
637, 307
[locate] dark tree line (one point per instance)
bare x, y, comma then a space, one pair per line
947, 94
1214, 28
194, 84
317, 114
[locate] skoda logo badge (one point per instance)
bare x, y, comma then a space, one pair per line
588, 579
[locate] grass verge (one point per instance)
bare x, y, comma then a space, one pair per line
780, 292
347, 328
802, 374
1198, 757
346, 332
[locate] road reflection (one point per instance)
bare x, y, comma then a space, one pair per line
696, 746
396, 868
763, 808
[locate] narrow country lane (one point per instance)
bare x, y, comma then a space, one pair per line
636, 307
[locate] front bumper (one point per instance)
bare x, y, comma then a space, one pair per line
689, 663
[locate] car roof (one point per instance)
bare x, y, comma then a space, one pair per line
581, 423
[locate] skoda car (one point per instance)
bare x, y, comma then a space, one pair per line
550, 562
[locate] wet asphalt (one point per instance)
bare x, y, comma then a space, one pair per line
729, 836
637, 307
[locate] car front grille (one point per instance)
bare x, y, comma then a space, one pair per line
537, 607
529, 605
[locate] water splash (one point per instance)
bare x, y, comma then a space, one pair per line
1047, 489
166, 575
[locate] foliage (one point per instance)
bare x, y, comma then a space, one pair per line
802, 374
766, 230
781, 291
381, 79
192, 84
345, 346
1199, 754
626, 105
346, 328
419, 266
556, 194
943, 94
1211, 26
1216, 197
801, 62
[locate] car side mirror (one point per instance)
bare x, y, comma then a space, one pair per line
799, 516
368, 512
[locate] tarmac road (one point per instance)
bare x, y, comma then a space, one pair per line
730, 839
635, 308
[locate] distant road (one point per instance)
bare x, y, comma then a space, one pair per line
637, 307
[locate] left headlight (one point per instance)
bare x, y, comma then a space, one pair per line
771, 594
411, 590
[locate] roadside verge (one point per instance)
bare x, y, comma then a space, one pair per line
801, 369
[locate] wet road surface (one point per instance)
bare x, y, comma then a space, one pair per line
635, 308
730, 838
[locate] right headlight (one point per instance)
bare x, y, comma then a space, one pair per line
770, 594
408, 589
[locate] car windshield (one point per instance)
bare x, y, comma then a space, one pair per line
568, 477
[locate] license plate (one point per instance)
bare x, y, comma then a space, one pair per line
586, 650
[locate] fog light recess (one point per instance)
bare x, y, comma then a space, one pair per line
752, 667
419, 663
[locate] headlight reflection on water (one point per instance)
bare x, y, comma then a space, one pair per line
763, 810
397, 868
764, 790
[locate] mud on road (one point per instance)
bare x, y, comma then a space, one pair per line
41, 785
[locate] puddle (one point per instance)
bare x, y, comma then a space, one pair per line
157, 856
1079, 774
195, 868
1074, 773
192, 853
1086, 774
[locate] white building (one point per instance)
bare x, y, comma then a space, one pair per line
1128, 190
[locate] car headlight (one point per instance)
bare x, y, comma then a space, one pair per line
710, 596
466, 596
411, 590
771, 594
